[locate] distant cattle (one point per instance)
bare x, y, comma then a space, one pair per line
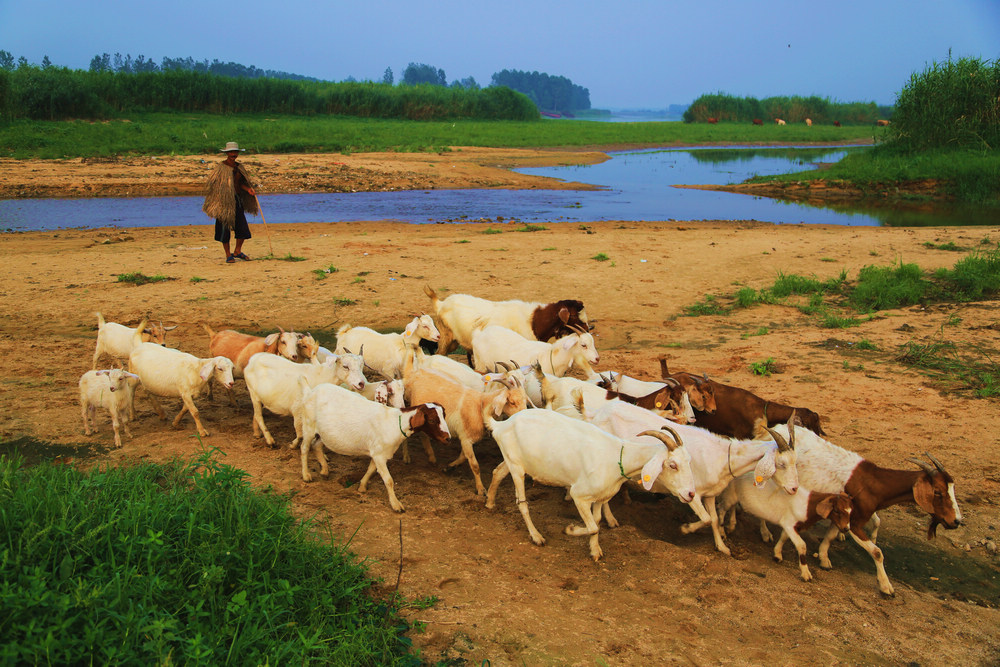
758, 121
882, 123
779, 121
836, 123
809, 122
713, 120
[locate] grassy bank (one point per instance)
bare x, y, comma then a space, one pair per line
189, 133
965, 175
179, 563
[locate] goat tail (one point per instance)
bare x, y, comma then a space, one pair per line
342, 330
208, 329
100, 320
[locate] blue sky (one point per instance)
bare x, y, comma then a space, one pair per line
629, 53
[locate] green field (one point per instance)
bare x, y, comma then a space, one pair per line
200, 133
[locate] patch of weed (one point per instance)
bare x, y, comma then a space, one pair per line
764, 367
344, 301
491, 230
708, 306
601, 257
139, 278
528, 227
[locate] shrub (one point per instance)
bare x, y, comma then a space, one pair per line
975, 276
765, 367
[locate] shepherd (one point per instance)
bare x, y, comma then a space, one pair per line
230, 194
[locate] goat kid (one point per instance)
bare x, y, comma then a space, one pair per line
112, 390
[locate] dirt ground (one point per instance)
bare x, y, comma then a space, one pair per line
657, 597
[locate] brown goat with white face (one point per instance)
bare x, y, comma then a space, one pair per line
826, 467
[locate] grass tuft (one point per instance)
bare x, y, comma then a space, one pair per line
139, 278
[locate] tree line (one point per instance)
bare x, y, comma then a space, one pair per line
131, 85
549, 93
792, 109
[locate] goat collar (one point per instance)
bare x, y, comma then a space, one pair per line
400, 422
729, 458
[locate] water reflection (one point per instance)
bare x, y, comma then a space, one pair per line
637, 186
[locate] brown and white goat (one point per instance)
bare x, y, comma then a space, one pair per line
823, 466
460, 314
740, 413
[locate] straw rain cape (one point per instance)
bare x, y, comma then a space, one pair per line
220, 195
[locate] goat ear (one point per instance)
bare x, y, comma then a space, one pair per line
206, 369
410, 328
271, 338
764, 469
564, 314
825, 506
923, 493
496, 406
652, 469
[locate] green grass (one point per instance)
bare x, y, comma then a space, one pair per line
321, 274
707, 306
197, 279
764, 367
601, 257
291, 258
201, 134
865, 344
178, 563
887, 287
529, 227
491, 230
344, 301
762, 331
950, 245
139, 278
971, 370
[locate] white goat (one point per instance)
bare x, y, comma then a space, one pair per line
386, 392
715, 460
116, 339
348, 423
273, 383
792, 512
493, 344
386, 353
444, 364
592, 464
168, 372
112, 390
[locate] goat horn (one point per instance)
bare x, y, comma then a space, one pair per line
782, 443
934, 461
791, 430
923, 465
670, 382
659, 435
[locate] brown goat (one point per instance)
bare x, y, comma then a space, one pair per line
742, 414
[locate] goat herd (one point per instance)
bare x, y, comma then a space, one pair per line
684, 435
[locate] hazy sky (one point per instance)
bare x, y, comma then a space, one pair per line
628, 53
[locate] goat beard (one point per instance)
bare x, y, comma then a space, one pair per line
932, 529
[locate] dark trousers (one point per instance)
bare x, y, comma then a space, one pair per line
222, 233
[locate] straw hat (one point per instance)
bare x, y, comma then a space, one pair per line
231, 146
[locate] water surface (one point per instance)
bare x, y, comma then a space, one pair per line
636, 186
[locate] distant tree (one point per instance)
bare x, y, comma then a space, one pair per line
419, 73
387, 76
22, 62
101, 63
556, 93
141, 64
46, 63
6, 60
468, 82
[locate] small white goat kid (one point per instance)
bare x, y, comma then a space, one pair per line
112, 390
